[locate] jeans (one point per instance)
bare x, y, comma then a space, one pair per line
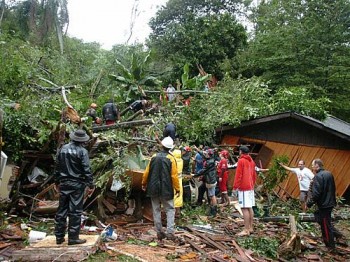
170, 214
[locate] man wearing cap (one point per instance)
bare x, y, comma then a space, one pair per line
244, 183
159, 180
73, 175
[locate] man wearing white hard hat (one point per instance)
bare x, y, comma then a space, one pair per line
160, 180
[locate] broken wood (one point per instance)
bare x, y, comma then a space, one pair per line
140, 112
195, 246
302, 218
208, 240
48, 250
123, 125
293, 245
109, 206
240, 251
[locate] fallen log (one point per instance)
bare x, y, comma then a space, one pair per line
123, 125
301, 218
140, 112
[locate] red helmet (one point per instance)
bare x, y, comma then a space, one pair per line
187, 148
224, 153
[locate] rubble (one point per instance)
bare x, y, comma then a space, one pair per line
197, 238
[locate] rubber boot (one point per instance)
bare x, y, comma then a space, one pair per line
214, 211
76, 241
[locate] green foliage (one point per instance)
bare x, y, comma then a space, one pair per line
234, 101
302, 44
104, 256
301, 100
263, 246
108, 165
276, 173
137, 241
133, 75
195, 83
230, 103
18, 134
208, 30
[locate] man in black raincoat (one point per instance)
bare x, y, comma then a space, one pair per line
73, 175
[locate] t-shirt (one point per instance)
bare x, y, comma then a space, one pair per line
304, 177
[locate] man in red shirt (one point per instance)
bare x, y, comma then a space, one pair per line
244, 183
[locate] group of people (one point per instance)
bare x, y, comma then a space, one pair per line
161, 182
111, 113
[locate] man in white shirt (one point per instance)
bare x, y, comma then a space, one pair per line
304, 176
171, 92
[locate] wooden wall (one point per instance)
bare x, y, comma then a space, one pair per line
336, 161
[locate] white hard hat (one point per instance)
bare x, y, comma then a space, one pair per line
168, 142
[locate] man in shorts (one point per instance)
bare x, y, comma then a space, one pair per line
244, 183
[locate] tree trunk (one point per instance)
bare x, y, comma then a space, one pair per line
123, 125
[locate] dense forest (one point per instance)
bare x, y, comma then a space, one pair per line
270, 57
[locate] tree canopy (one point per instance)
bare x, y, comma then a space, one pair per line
288, 64
198, 32
304, 44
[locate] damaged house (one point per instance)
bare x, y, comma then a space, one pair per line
297, 137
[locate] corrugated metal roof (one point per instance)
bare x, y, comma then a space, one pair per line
330, 124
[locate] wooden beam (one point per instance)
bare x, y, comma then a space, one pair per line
208, 240
123, 125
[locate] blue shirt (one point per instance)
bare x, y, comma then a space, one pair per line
199, 162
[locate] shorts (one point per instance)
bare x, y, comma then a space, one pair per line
246, 199
211, 191
303, 196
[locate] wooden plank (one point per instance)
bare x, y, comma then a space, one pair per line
196, 247
240, 251
208, 240
48, 250
109, 206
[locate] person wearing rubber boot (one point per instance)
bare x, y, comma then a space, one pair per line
160, 180
209, 175
73, 175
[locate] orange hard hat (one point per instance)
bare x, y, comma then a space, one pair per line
93, 105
